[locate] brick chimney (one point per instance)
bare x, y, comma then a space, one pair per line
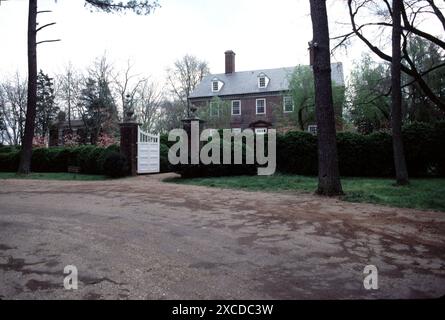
230, 61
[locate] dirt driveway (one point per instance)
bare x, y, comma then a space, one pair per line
140, 238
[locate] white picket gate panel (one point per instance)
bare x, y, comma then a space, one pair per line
148, 152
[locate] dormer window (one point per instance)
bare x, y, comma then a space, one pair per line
216, 85
263, 81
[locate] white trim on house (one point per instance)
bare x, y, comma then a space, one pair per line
284, 104
312, 128
262, 81
236, 114
216, 85
260, 130
256, 106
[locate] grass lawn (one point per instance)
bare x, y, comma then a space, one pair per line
52, 176
420, 194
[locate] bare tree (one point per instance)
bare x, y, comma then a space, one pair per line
412, 12
184, 76
13, 108
139, 7
171, 112
396, 96
68, 92
147, 101
127, 84
328, 173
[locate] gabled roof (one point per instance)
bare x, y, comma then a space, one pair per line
245, 82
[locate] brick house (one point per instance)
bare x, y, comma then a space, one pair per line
257, 99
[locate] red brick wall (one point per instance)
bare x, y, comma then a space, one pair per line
274, 105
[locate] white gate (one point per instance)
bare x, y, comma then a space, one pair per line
148, 152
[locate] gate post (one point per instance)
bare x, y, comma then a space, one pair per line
187, 126
129, 144
129, 140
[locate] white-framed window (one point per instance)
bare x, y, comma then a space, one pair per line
312, 128
260, 130
236, 107
236, 130
288, 104
260, 106
263, 81
214, 109
215, 85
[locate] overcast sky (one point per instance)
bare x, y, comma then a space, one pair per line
263, 34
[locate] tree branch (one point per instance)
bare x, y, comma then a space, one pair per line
437, 12
44, 41
410, 71
46, 25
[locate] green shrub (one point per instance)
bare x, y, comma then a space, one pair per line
62, 159
216, 170
114, 148
350, 147
9, 162
418, 143
89, 158
115, 165
163, 158
86, 160
377, 160
359, 155
438, 153
8, 149
297, 153
163, 139
103, 156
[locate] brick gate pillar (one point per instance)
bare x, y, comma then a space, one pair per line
129, 144
187, 126
129, 137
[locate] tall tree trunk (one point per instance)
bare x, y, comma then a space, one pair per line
300, 119
25, 157
396, 97
69, 108
328, 173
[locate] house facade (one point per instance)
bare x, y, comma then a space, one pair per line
257, 99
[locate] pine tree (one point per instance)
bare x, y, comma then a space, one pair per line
46, 110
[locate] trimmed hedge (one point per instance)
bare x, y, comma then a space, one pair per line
163, 154
9, 161
303, 148
359, 155
89, 158
368, 155
216, 170
115, 165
